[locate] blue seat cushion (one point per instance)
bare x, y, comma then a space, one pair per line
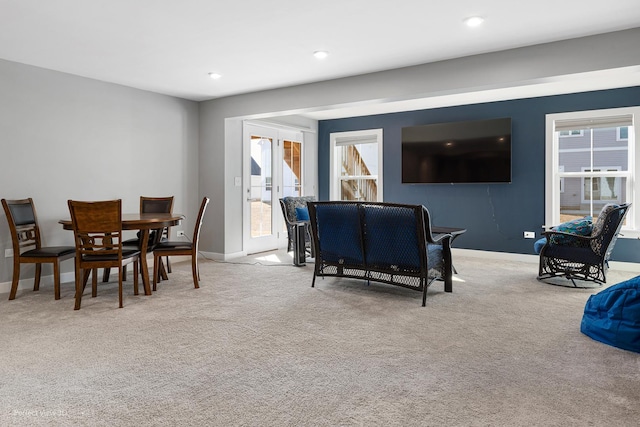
612, 316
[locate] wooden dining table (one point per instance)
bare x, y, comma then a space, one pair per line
143, 222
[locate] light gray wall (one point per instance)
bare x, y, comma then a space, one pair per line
220, 143
66, 137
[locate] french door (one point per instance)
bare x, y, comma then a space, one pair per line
272, 170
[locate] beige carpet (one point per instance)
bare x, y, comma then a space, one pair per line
257, 346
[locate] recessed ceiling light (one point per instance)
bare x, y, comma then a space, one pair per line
474, 21
215, 76
320, 54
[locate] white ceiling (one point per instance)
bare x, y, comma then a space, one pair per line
169, 47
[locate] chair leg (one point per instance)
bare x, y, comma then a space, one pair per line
156, 267
94, 283
136, 272
135, 276
105, 275
56, 278
120, 286
16, 278
168, 265
163, 271
194, 270
36, 280
79, 287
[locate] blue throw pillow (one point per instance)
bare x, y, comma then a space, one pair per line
580, 226
302, 214
538, 244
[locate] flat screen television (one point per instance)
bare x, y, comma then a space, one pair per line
476, 151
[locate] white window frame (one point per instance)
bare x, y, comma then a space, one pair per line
553, 175
373, 136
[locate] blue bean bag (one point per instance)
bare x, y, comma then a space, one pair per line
612, 316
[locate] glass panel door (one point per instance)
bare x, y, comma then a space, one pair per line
261, 179
273, 169
292, 169
261, 186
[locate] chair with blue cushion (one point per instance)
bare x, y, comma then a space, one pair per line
295, 211
584, 257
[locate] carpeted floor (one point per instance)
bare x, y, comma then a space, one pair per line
257, 346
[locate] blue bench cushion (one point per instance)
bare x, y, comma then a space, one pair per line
342, 244
612, 316
391, 238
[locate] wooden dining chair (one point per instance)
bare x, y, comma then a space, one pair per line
25, 233
152, 205
181, 248
97, 228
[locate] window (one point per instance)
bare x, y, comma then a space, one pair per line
622, 133
356, 165
591, 160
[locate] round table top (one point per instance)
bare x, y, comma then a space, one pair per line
139, 221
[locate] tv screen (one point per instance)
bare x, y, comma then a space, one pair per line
460, 152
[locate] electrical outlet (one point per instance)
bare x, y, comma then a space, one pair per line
8, 253
180, 233
529, 234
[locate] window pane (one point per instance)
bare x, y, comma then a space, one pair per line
359, 189
581, 193
608, 151
359, 159
598, 146
292, 169
260, 189
574, 150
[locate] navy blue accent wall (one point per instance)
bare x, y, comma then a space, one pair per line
495, 215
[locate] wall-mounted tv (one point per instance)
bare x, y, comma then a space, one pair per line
476, 151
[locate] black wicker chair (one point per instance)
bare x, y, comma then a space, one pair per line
289, 205
583, 257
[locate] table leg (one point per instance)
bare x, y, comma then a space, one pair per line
144, 240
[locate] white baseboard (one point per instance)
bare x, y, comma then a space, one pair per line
216, 256
46, 281
473, 253
533, 259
